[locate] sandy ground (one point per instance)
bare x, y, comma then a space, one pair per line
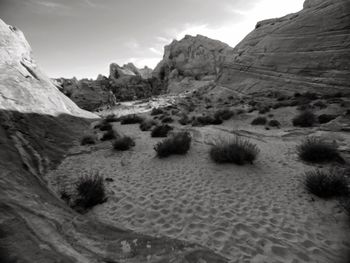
253, 213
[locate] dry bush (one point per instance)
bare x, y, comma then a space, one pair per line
179, 143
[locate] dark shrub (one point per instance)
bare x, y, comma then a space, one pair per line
167, 119
105, 126
111, 118
161, 130
304, 119
177, 144
326, 184
310, 95
264, 109
223, 114
147, 125
315, 150
259, 121
88, 139
156, 111
325, 118
206, 120
91, 191
320, 104
130, 119
236, 151
109, 135
123, 143
274, 123
184, 120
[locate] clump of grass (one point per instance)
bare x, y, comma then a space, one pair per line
179, 143
111, 118
161, 130
259, 121
223, 114
325, 118
326, 184
315, 150
156, 111
205, 120
109, 135
91, 191
130, 119
237, 151
184, 120
123, 143
167, 119
147, 125
274, 123
304, 119
105, 126
87, 140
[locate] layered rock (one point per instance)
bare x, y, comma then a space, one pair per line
37, 126
308, 50
195, 57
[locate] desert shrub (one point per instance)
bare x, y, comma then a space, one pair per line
320, 104
156, 111
326, 184
111, 118
325, 118
274, 123
161, 130
179, 143
315, 150
109, 135
206, 120
264, 109
259, 121
167, 119
310, 95
223, 114
105, 126
304, 119
147, 125
91, 191
237, 151
130, 119
87, 140
184, 120
123, 143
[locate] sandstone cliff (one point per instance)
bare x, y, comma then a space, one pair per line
37, 126
308, 50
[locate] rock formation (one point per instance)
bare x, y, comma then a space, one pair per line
195, 57
37, 126
308, 50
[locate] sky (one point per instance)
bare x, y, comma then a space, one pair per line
82, 37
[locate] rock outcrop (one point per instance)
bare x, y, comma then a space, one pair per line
37, 126
197, 57
308, 50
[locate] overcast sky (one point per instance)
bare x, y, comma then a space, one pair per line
82, 37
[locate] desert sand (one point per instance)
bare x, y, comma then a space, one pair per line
253, 213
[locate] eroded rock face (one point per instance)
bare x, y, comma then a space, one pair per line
308, 50
38, 124
194, 57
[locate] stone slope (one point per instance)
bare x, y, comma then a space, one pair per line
38, 124
308, 50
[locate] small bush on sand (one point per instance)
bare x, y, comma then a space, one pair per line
161, 130
111, 118
130, 119
315, 150
237, 151
274, 123
105, 126
325, 118
259, 121
91, 191
167, 119
223, 114
147, 125
87, 140
123, 143
304, 119
264, 109
156, 111
184, 120
206, 120
320, 104
326, 184
179, 143
109, 135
